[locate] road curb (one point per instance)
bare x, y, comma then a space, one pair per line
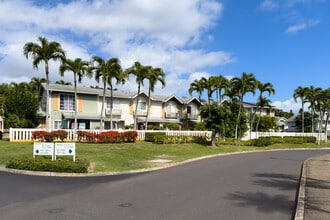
300, 208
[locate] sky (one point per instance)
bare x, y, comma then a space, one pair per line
284, 42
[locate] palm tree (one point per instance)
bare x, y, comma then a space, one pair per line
208, 85
62, 82
196, 86
79, 68
301, 92
313, 96
44, 52
140, 72
262, 101
35, 84
241, 86
107, 71
220, 83
154, 75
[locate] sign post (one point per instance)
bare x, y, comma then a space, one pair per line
40, 148
65, 149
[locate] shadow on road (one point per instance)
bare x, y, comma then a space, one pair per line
264, 202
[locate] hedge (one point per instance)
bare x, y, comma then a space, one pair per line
45, 164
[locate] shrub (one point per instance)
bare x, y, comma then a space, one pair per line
293, 140
150, 136
261, 142
110, 137
130, 136
38, 135
86, 136
45, 164
42, 135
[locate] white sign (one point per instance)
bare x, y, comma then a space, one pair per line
65, 149
41, 148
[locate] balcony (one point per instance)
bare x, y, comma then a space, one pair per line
171, 115
114, 111
140, 113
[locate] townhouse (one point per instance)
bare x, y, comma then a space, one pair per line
162, 110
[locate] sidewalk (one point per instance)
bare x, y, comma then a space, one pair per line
314, 193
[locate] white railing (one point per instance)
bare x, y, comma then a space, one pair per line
255, 135
25, 134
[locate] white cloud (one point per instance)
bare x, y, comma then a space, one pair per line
158, 33
288, 105
302, 26
268, 5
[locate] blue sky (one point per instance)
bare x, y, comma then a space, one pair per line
285, 42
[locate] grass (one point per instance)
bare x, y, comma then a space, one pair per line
133, 156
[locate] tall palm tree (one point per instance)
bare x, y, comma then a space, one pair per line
301, 92
262, 101
44, 52
107, 71
220, 83
79, 68
140, 72
240, 86
207, 83
313, 96
35, 84
197, 86
154, 75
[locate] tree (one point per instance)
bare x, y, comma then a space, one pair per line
301, 92
240, 86
154, 75
140, 72
62, 82
79, 68
21, 107
35, 85
220, 84
107, 71
262, 101
44, 52
313, 96
208, 85
197, 86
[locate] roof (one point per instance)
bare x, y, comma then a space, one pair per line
116, 93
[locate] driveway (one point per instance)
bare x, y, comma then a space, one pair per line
241, 186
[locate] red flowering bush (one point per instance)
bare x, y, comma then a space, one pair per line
130, 136
38, 135
110, 137
42, 135
86, 135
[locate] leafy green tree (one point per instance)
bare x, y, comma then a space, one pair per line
313, 96
281, 113
44, 52
21, 108
240, 86
107, 71
308, 120
79, 68
141, 73
301, 92
154, 75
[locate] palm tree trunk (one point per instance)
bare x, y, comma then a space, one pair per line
148, 109
75, 108
47, 96
102, 108
111, 106
136, 107
238, 118
303, 117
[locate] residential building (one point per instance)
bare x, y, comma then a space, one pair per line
163, 109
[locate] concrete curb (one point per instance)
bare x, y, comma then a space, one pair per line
300, 208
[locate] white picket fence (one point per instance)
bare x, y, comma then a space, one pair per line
255, 135
25, 134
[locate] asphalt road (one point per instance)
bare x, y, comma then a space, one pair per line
242, 186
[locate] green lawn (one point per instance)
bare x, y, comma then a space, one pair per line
133, 156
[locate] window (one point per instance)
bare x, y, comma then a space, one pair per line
115, 104
67, 102
171, 107
57, 124
142, 106
191, 109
